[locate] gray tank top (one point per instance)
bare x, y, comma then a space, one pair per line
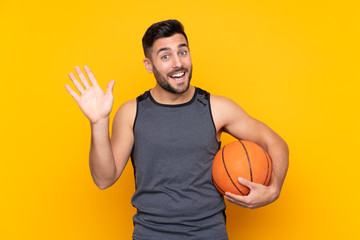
172, 158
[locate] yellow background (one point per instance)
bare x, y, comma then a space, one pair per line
292, 64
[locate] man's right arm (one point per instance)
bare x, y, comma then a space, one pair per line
108, 157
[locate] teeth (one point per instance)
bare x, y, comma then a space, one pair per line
178, 75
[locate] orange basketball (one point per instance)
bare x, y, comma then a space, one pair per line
240, 159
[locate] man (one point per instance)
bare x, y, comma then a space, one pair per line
172, 133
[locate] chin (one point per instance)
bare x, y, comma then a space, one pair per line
182, 89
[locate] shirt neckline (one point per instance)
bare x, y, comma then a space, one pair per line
174, 105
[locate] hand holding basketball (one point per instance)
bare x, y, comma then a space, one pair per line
242, 172
259, 195
93, 102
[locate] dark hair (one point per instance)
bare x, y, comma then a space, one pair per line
160, 30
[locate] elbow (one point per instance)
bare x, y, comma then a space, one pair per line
103, 185
103, 182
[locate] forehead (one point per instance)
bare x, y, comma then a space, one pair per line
169, 42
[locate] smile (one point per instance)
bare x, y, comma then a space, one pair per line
178, 75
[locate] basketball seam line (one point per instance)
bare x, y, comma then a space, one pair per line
218, 186
248, 158
268, 166
223, 158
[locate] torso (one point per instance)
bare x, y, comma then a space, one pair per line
172, 159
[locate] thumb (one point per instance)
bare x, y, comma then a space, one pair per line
246, 182
110, 87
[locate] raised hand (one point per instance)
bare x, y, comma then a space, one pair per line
93, 102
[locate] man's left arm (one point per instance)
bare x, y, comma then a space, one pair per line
231, 118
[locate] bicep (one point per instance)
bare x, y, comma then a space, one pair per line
122, 138
235, 121
251, 129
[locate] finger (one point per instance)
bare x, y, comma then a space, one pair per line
110, 87
82, 77
236, 198
90, 75
233, 196
237, 203
76, 83
232, 200
246, 182
72, 93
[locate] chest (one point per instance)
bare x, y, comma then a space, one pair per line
187, 128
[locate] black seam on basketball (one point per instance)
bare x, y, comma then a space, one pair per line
222, 191
228, 172
268, 166
247, 155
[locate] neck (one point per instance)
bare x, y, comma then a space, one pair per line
165, 97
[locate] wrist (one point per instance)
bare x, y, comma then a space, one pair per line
100, 122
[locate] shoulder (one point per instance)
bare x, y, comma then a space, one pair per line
127, 107
216, 99
225, 110
223, 104
125, 113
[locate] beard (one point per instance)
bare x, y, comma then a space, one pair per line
164, 83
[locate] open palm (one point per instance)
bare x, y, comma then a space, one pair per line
93, 102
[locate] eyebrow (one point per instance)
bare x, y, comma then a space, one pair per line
167, 48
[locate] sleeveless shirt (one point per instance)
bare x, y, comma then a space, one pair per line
172, 158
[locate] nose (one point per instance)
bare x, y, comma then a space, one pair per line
177, 62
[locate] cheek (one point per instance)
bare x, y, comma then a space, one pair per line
165, 69
188, 61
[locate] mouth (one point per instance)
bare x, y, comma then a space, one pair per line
178, 76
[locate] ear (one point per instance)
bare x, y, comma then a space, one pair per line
148, 65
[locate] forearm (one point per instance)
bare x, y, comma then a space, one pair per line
101, 158
279, 154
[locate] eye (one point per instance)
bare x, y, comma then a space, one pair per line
183, 53
165, 57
